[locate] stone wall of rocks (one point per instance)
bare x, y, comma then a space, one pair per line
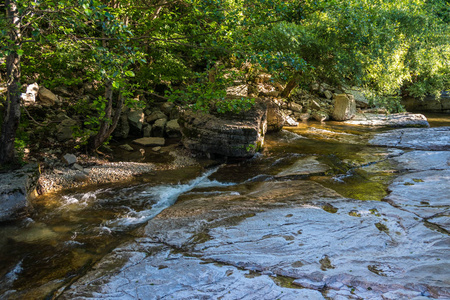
54, 119
239, 135
157, 121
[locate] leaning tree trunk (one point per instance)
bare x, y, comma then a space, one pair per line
291, 85
12, 105
107, 125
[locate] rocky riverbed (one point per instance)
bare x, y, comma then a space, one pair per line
288, 237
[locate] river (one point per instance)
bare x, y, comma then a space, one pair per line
72, 230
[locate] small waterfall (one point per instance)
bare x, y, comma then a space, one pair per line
163, 197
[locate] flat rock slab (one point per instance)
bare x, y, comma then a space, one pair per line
364, 249
203, 247
154, 271
16, 189
437, 138
304, 167
150, 141
423, 160
425, 193
391, 120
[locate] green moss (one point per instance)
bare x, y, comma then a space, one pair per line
374, 269
325, 263
375, 212
382, 227
354, 213
435, 228
201, 238
285, 282
330, 208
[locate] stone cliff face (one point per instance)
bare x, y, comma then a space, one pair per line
240, 135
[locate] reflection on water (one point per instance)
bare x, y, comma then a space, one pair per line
72, 230
438, 120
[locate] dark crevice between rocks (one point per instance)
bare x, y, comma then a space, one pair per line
426, 221
435, 227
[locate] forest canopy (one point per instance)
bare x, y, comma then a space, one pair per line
392, 48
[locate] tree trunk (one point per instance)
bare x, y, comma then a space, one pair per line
291, 85
107, 125
12, 105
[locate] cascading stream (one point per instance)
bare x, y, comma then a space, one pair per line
163, 197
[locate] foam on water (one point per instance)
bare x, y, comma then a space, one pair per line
79, 201
163, 196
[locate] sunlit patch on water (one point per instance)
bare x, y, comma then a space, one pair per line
289, 136
328, 133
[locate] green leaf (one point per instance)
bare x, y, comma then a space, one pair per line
129, 73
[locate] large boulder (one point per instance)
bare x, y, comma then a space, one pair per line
344, 107
123, 128
136, 120
434, 139
233, 135
16, 189
147, 130
159, 127
156, 115
360, 100
65, 130
430, 103
295, 107
275, 117
173, 129
46, 97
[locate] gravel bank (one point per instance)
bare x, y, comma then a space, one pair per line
64, 178
102, 172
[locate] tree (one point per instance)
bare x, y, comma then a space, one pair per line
12, 105
389, 47
89, 25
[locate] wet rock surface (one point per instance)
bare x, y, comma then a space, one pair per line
424, 190
331, 246
238, 241
369, 247
156, 276
304, 167
437, 138
389, 120
16, 189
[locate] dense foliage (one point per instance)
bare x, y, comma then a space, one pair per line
123, 47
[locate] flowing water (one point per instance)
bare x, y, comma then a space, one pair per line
70, 231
